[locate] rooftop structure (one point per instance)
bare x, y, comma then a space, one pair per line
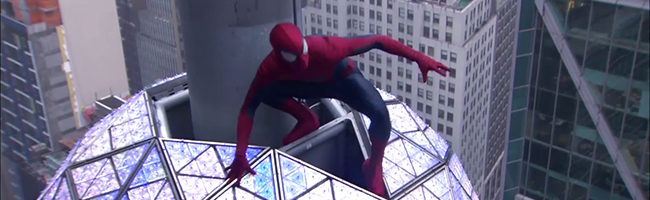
125, 155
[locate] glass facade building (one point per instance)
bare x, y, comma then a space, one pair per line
151, 41
580, 102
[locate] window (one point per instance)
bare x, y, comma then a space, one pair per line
408, 88
362, 66
389, 75
372, 69
379, 3
426, 32
442, 85
379, 30
427, 16
434, 34
450, 21
354, 9
450, 102
441, 99
450, 117
362, 26
379, 16
436, 18
448, 37
443, 54
409, 15
452, 72
313, 18
407, 101
450, 131
441, 128
429, 95
329, 22
427, 109
429, 81
378, 72
400, 28
371, 56
409, 74
371, 14
389, 18
361, 11
401, 12
389, 61
441, 114
409, 29
320, 20
420, 92
430, 51
336, 24
452, 57
388, 88
421, 48
400, 71
400, 85
452, 87
329, 8
335, 9
389, 4
420, 106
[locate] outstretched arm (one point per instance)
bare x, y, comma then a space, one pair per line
362, 44
240, 164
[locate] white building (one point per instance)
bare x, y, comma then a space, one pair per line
459, 34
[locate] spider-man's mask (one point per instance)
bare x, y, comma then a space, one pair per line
289, 46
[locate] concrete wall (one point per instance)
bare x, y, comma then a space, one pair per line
225, 42
95, 49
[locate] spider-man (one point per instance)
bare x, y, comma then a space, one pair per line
318, 67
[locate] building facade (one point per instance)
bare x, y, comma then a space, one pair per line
151, 39
459, 34
580, 101
36, 110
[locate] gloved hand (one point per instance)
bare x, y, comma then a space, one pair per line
426, 64
238, 169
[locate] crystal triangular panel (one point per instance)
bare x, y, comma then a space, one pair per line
147, 191
400, 119
150, 171
322, 191
127, 161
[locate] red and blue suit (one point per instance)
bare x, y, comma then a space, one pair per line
318, 67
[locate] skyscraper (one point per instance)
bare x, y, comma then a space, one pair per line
36, 108
151, 40
580, 101
459, 34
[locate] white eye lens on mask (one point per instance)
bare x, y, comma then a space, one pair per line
289, 57
305, 48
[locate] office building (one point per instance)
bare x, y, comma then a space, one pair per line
151, 39
579, 115
459, 34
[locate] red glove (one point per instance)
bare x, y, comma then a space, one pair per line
238, 169
426, 64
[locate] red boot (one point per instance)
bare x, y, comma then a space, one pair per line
372, 168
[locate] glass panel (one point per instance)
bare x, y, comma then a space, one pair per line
566, 108
620, 191
519, 98
614, 119
512, 174
602, 19
602, 154
542, 127
536, 179
322, 191
577, 192
400, 119
566, 85
148, 191
150, 171
641, 66
297, 178
602, 180
131, 132
578, 17
522, 70
515, 150
583, 146
261, 183
539, 154
559, 162
127, 161
517, 125
555, 189
580, 168
525, 43
342, 191
528, 14
620, 62
597, 54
